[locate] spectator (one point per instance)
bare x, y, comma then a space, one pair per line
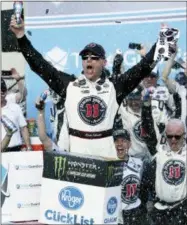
57, 113
49, 144
166, 178
130, 111
132, 211
18, 97
14, 113
176, 87
92, 99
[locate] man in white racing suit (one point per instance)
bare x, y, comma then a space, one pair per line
132, 211
92, 100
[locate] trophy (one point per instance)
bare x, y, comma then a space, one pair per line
18, 7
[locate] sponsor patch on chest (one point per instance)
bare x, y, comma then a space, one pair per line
92, 110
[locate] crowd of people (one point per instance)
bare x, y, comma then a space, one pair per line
123, 115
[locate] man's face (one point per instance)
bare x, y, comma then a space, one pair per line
150, 81
122, 147
135, 103
92, 66
175, 136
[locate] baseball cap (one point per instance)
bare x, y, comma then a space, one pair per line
137, 92
181, 78
153, 74
3, 86
123, 133
94, 48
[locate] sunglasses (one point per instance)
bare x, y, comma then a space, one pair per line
177, 137
92, 57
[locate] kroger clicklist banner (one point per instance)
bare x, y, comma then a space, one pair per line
60, 39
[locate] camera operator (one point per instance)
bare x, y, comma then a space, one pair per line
130, 113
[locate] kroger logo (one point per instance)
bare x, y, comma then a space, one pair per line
71, 198
112, 205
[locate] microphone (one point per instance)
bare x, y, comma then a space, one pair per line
18, 7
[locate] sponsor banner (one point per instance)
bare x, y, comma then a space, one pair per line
88, 170
21, 185
65, 202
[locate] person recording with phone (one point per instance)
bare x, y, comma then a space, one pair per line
18, 96
49, 144
14, 114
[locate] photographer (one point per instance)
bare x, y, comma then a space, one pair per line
14, 113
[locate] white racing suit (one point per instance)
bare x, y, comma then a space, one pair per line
132, 211
166, 179
132, 122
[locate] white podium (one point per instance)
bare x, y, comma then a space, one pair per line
79, 189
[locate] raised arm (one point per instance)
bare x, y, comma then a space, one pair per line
126, 82
171, 84
148, 130
46, 141
57, 80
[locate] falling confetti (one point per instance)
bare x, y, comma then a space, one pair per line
29, 33
117, 21
46, 11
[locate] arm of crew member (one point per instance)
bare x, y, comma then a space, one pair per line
26, 137
21, 95
171, 84
57, 80
148, 127
5, 142
148, 182
46, 141
128, 81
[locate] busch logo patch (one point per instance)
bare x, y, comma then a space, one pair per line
173, 172
92, 110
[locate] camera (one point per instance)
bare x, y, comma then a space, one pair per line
135, 46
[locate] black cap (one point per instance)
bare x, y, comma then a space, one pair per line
137, 92
153, 74
94, 48
123, 133
181, 78
3, 86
